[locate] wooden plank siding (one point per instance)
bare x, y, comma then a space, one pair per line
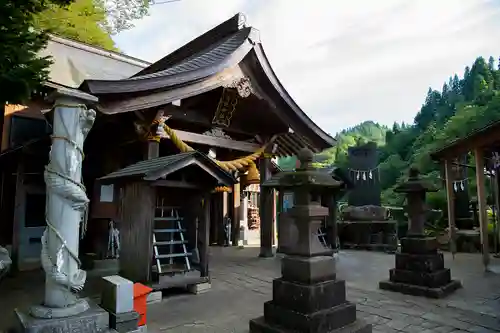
136, 223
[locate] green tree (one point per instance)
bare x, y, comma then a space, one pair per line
83, 20
21, 69
92, 21
121, 13
491, 64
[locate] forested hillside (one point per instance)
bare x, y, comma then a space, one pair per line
459, 107
359, 134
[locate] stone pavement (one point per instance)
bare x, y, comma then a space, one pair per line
241, 283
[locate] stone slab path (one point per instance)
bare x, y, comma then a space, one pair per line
241, 283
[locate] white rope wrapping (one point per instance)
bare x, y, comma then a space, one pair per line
59, 182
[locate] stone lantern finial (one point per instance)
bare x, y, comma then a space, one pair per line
414, 173
305, 156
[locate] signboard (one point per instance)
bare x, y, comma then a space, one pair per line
287, 201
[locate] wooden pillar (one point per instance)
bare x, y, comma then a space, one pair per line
275, 240
497, 206
224, 214
152, 150
236, 215
19, 206
481, 200
332, 213
266, 210
204, 232
278, 218
450, 201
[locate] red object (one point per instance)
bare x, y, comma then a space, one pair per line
140, 302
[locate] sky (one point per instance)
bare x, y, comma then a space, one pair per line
342, 61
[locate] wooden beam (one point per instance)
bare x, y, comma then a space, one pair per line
195, 116
175, 183
480, 139
481, 199
450, 200
216, 142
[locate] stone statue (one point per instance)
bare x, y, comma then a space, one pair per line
66, 211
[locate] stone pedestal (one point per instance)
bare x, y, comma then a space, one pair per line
420, 270
124, 322
419, 267
307, 298
93, 320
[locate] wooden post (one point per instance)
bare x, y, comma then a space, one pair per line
497, 207
205, 233
20, 197
275, 240
481, 200
153, 150
265, 210
236, 214
278, 219
450, 200
224, 214
332, 211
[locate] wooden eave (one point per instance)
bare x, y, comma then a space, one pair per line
155, 169
482, 138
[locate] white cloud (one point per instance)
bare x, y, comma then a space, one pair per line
342, 61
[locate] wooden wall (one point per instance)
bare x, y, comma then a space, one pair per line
136, 231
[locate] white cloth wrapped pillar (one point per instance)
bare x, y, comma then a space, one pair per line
66, 209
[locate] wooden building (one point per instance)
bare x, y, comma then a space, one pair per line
25, 143
208, 98
485, 145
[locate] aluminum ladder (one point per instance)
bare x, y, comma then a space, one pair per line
168, 237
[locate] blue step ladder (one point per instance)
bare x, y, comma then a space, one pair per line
169, 244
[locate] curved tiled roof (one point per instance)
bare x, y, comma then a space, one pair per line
207, 58
221, 48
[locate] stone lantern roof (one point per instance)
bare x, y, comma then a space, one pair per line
415, 184
304, 176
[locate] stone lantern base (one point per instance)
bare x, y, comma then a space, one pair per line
420, 270
308, 298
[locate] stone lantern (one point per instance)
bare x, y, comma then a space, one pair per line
419, 266
308, 297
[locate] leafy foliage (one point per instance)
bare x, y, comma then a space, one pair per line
357, 135
92, 21
21, 69
121, 13
83, 20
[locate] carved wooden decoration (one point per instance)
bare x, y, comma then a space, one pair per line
217, 132
233, 91
242, 85
226, 107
